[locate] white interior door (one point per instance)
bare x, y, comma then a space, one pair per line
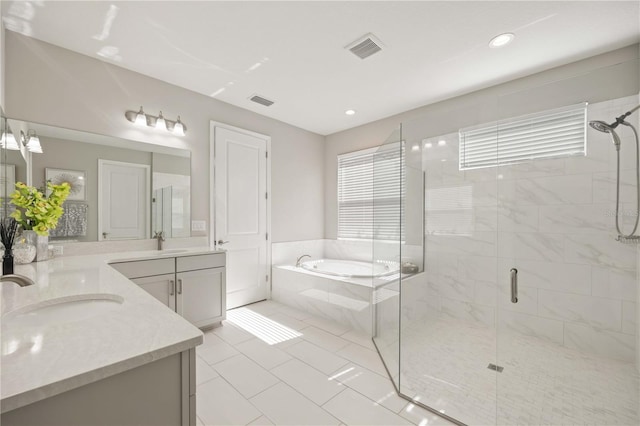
123, 200
240, 184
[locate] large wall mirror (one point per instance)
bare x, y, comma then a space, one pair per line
120, 189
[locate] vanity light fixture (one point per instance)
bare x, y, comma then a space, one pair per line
160, 122
32, 142
141, 118
9, 141
178, 128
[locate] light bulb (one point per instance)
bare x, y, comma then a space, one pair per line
141, 118
160, 123
178, 128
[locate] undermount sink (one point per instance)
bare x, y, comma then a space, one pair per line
62, 310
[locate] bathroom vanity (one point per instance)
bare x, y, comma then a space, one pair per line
89, 345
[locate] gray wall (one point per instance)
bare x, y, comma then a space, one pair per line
71, 155
55, 86
452, 114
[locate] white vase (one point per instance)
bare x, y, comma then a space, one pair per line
42, 248
41, 243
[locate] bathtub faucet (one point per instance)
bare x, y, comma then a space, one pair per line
300, 258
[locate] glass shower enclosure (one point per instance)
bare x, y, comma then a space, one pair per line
523, 307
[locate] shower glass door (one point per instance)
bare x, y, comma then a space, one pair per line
567, 290
447, 321
387, 189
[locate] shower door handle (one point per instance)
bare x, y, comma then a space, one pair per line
514, 285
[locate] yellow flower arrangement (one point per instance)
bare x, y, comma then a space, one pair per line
38, 212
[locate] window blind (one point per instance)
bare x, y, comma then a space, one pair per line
371, 194
553, 133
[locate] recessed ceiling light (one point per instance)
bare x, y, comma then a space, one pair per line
428, 145
415, 148
442, 142
501, 40
350, 112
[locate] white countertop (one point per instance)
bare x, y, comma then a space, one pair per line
39, 361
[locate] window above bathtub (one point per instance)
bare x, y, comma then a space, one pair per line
553, 133
371, 186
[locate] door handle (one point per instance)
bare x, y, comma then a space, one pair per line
220, 242
179, 285
104, 235
172, 288
514, 285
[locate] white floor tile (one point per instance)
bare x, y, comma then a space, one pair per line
327, 325
214, 353
324, 339
204, 372
232, 334
285, 406
354, 409
316, 357
359, 338
245, 375
220, 404
210, 338
364, 357
295, 313
372, 385
261, 421
308, 381
265, 308
265, 355
419, 416
288, 321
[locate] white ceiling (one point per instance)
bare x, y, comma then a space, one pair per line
433, 49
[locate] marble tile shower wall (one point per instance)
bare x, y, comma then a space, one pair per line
553, 220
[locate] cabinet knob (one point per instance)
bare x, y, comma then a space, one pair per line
180, 286
172, 287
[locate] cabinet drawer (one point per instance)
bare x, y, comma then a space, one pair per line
145, 268
204, 261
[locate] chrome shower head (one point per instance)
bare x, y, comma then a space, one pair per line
603, 127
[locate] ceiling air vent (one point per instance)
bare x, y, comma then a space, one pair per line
365, 46
261, 100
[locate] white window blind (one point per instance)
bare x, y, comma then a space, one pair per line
371, 194
553, 133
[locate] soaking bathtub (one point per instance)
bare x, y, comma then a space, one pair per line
339, 290
351, 268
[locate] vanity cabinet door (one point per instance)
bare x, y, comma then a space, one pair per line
201, 296
162, 287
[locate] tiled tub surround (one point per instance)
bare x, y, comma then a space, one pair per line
54, 358
347, 301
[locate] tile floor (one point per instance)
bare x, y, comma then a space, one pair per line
541, 384
272, 364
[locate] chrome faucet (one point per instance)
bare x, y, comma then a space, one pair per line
21, 280
300, 258
159, 235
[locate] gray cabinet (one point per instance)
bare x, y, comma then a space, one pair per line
193, 286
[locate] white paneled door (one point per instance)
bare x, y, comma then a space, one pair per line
124, 195
241, 212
